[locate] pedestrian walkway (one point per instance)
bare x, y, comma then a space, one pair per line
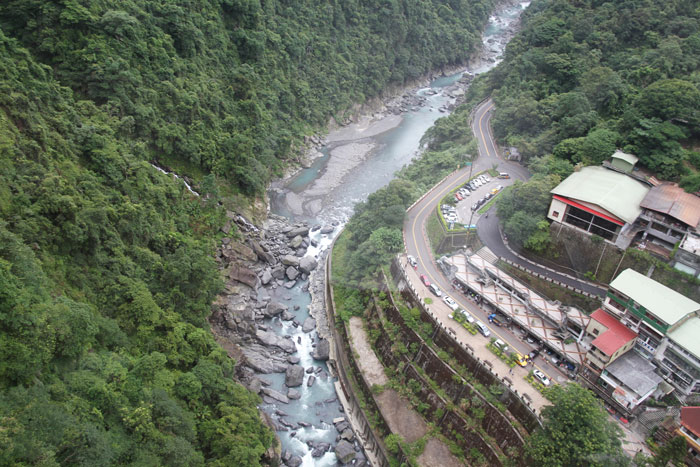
488, 255
477, 342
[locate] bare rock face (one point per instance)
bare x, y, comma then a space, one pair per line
307, 264
344, 452
243, 274
322, 351
294, 376
243, 251
262, 253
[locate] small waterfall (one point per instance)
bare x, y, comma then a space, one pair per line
187, 185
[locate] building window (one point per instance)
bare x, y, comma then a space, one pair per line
555, 213
595, 332
602, 383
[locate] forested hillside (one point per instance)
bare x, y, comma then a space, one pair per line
106, 265
585, 77
229, 86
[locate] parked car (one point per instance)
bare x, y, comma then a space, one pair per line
450, 302
522, 360
412, 261
541, 377
435, 290
424, 280
498, 343
503, 175
470, 319
483, 329
534, 354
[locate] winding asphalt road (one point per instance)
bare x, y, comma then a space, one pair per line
416, 239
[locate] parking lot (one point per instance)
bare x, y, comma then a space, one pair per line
472, 196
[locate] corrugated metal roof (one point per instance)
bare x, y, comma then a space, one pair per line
671, 199
629, 158
688, 336
690, 418
664, 303
617, 193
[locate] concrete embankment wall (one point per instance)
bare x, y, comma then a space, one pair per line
343, 364
518, 407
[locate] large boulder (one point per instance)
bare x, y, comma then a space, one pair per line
290, 260
344, 452
262, 253
296, 242
327, 229
294, 376
295, 461
266, 277
243, 274
292, 273
278, 272
322, 351
298, 231
275, 395
271, 339
307, 264
293, 394
309, 324
275, 308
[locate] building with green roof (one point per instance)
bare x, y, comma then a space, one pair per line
599, 201
667, 324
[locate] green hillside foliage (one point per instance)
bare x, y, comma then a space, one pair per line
586, 77
106, 277
231, 86
106, 265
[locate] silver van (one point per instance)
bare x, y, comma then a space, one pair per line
435, 290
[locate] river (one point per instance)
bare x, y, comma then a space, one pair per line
357, 160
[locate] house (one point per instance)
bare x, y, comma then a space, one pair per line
667, 325
599, 201
622, 378
690, 430
669, 216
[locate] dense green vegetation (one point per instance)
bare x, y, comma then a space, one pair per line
231, 86
586, 77
106, 267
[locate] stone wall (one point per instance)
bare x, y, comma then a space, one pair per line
342, 363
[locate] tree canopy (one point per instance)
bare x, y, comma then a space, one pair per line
575, 431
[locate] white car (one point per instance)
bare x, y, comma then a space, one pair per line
542, 377
451, 303
470, 319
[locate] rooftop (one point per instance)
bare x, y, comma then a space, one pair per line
617, 193
635, 372
687, 336
690, 418
664, 303
615, 337
672, 200
629, 158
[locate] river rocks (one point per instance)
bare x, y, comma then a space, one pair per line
294, 376
322, 351
286, 316
320, 449
243, 274
310, 382
274, 309
291, 273
293, 359
290, 284
290, 260
293, 394
298, 232
344, 452
327, 229
278, 272
307, 264
295, 461
266, 277
262, 253
278, 396
296, 242
309, 324
260, 359
271, 339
